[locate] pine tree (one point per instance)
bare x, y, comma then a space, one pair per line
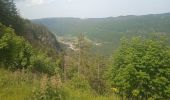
9, 16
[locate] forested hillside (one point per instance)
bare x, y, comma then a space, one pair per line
35, 66
27, 48
36, 34
108, 29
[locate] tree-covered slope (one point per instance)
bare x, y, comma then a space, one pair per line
108, 29
38, 35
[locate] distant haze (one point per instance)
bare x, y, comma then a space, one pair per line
33, 9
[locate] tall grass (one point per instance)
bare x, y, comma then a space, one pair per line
16, 85
24, 85
87, 95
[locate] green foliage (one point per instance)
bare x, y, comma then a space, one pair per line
141, 69
17, 85
9, 15
80, 82
77, 94
79, 88
44, 64
24, 85
15, 52
83, 65
50, 89
41, 38
50, 94
109, 31
38, 35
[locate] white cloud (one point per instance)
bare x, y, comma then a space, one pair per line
69, 1
36, 2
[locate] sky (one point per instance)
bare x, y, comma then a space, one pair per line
34, 9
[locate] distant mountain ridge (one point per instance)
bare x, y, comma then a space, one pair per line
100, 27
109, 29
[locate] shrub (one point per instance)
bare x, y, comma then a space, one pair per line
50, 89
44, 64
80, 82
15, 52
141, 69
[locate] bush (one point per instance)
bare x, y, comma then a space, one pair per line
80, 82
50, 89
15, 52
42, 63
141, 69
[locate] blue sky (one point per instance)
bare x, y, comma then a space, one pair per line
33, 9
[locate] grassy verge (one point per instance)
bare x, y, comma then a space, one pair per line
19, 85
16, 85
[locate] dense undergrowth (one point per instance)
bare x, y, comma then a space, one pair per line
24, 85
